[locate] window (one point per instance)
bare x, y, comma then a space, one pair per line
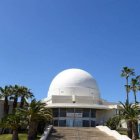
86, 112
78, 110
85, 123
70, 110
55, 122
93, 113
55, 112
62, 112
92, 123
62, 122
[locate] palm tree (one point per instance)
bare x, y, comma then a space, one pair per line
5, 93
135, 87
22, 92
36, 112
127, 72
138, 79
130, 112
13, 122
14, 96
25, 94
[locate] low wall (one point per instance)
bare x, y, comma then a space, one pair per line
46, 132
113, 133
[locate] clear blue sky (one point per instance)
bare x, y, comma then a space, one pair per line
40, 38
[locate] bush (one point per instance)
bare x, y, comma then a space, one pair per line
113, 122
122, 131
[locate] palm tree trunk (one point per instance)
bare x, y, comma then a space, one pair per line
134, 130
22, 102
135, 97
129, 129
127, 92
15, 135
15, 104
6, 107
32, 130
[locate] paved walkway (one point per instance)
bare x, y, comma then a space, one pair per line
69, 133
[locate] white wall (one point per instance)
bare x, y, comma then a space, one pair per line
79, 99
103, 115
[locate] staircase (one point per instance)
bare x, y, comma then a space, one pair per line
73, 133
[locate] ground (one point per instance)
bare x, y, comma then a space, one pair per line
9, 137
83, 133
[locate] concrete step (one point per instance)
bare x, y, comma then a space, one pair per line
73, 133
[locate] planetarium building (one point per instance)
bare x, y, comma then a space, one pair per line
75, 100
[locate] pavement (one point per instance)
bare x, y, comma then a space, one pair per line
76, 133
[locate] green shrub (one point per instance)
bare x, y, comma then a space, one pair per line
113, 122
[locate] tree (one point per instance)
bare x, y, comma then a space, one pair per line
20, 92
25, 94
36, 112
5, 93
135, 87
14, 122
130, 112
14, 96
113, 122
127, 72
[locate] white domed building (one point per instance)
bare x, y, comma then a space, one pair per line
75, 99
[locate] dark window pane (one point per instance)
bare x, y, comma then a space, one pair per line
70, 110
62, 122
85, 123
86, 112
55, 122
93, 113
78, 110
55, 112
62, 112
92, 123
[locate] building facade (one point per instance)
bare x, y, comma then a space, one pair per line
75, 100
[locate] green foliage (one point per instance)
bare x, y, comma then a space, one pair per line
126, 72
13, 121
20, 92
122, 131
113, 122
21, 137
36, 111
135, 84
129, 111
4, 94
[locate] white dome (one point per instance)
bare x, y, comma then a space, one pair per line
74, 82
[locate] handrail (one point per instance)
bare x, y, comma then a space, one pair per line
46, 132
